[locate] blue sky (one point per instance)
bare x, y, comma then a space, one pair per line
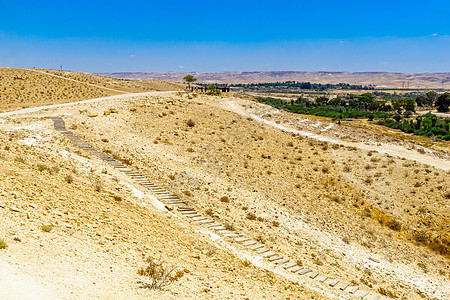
205, 36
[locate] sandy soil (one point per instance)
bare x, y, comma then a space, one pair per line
377, 219
29, 88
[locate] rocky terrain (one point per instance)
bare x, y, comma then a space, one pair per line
348, 201
380, 79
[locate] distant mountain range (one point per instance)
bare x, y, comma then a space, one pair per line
380, 79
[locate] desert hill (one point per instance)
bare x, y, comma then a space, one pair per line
354, 204
381, 79
34, 87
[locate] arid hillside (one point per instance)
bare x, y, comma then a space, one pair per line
348, 211
33, 87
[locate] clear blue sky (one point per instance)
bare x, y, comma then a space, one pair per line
208, 36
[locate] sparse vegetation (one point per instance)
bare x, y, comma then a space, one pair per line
46, 228
159, 274
3, 244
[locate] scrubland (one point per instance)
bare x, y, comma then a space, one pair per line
356, 204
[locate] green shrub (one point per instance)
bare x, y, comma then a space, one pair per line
3, 244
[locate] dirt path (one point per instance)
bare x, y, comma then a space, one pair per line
39, 108
82, 82
391, 149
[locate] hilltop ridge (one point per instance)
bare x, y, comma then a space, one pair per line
381, 79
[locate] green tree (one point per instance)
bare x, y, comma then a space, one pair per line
431, 98
443, 102
213, 90
189, 79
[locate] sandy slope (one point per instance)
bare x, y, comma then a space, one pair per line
312, 201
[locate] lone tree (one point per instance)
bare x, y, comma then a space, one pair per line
189, 79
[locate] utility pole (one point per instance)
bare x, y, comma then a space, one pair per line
61, 67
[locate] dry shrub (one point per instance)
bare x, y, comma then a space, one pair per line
325, 169
336, 199
229, 226
276, 223
251, 216
190, 123
3, 244
68, 178
46, 228
394, 225
225, 199
159, 274
42, 167
386, 292
347, 169
368, 180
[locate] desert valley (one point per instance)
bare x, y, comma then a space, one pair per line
103, 177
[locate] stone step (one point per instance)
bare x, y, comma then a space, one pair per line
194, 216
220, 228
249, 244
376, 297
353, 289
322, 279
288, 266
185, 207
263, 251
206, 222
200, 219
257, 247
242, 240
304, 272
344, 286
274, 258
236, 235
270, 255
282, 262
363, 294
314, 275
334, 282
214, 225
296, 269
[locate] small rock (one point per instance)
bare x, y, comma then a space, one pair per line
107, 112
93, 114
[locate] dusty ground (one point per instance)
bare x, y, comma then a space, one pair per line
374, 213
33, 87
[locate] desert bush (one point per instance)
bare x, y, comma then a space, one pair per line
251, 216
386, 292
394, 225
159, 274
21, 159
225, 199
190, 123
3, 244
68, 178
347, 169
117, 197
275, 223
42, 167
368, 180
46, 228
98, 186
229, 226
325, 169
